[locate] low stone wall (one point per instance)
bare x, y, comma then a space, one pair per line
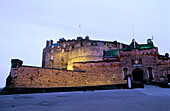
42, 77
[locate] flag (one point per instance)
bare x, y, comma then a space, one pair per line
152, 37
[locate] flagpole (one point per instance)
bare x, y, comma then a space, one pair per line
79, 28
133, 36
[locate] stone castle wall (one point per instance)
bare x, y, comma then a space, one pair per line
109, 71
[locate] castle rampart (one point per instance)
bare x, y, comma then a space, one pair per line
27, 76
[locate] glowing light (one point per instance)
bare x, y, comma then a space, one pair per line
69, 67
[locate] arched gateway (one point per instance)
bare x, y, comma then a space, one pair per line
137, 74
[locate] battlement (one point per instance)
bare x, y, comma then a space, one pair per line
62, 42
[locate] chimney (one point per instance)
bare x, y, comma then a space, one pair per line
16, 63
79, 38
87, 38
47, 43
51, 42
149, 41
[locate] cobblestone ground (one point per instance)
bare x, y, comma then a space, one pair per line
150, 98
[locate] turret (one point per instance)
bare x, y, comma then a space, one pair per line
47, 43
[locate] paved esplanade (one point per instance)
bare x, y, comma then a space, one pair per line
151, 98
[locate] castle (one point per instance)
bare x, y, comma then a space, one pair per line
86, 62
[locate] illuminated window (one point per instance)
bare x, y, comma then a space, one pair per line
52, 57
62, 51
52, 51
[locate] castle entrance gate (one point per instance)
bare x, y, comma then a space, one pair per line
137, 74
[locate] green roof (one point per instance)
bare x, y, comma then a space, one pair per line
146, 46
111, 53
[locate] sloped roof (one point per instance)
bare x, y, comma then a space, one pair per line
146, 46
112, 53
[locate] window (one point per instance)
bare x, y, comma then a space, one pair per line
62, 51
62, 61
52, 57
82, 44
52, 51
73, 47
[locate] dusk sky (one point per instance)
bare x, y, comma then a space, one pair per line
25, 25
